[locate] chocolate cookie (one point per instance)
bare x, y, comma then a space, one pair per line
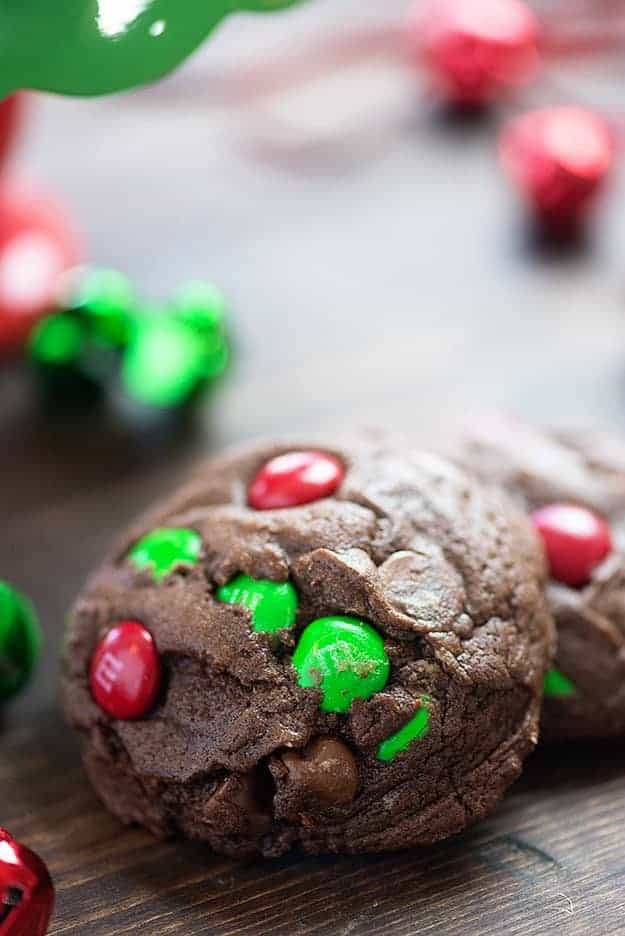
574, 488
337, 649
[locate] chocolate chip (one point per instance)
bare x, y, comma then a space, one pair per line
325, 769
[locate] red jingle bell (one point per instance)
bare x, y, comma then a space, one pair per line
37, 245
295, 478
474, 49
125, 671
26, 891
576, 540
559, 159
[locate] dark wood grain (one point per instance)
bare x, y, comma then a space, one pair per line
379, 274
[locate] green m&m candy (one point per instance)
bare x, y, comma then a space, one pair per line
20, 641
558, 686
415, 728
164, 549
344, 658
273, 604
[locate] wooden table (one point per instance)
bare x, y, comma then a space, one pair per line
379, 274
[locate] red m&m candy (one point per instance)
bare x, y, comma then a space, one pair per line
26, 891
295, 478
576, 540
558, 158
126, 671
474, 49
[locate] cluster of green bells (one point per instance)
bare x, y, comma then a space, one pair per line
102, 340
89, 47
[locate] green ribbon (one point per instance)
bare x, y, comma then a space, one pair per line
89, 47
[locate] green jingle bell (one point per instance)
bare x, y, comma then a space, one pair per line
20, 641
165, 364
201, 306
106, 302
59, 352
70, 359
57, 341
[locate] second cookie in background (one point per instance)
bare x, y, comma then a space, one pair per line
573, 487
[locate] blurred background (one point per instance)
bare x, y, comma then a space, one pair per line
366, 241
